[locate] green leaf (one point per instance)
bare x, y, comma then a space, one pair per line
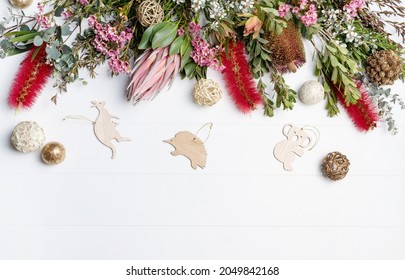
24, 27
175, 46
331, 49
24, 38
190, 68
184, 46
334, 75
186, 58
38, 41
334, 61
58, 11
66, 30
145, 40
53, 52
18, 33
164, 37
159, 26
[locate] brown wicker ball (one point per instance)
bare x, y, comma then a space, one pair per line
335, 166
149, 12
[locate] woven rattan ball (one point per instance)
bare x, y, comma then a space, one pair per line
149, 12
335, 166
206, 92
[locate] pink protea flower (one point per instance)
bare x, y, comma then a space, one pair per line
153, 70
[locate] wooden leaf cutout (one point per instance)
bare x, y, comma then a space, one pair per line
190, 146
105, 128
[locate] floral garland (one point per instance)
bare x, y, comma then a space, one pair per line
355, 55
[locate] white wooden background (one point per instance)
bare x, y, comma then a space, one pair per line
147, 204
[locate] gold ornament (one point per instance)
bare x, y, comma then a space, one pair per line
206, 92
21, 4
53, 153
149, 12
384, 67
335, 166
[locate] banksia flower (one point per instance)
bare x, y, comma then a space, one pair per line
384, 67
286, 49
31, 78
153, 70
239, 79
364, 113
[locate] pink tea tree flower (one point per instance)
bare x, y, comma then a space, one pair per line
353, 8
305, 11
111, 41
203, 54
44, 21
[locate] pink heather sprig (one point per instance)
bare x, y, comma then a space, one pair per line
305, 11
202, 53
110, 41
42, 20
352, 8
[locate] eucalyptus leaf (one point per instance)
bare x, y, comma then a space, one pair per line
25, 27
66, 30
38, 41
53, 52
59, 10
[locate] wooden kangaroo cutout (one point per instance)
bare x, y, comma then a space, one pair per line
105, 128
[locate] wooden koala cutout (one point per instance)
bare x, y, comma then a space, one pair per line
105, 128
190, 146
297, 142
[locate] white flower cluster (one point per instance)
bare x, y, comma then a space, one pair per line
243, 6
217, 10
197, 5
179, 1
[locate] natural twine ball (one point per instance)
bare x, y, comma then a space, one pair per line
206, 92
149, 12
311, 92
21, 4
335, 166
53, 153
27, 137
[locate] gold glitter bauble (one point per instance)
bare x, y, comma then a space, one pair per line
21, 4
53, 153
335, 166
206, 92
149, 12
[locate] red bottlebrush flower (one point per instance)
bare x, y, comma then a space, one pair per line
364, 113
31, 78
239, 79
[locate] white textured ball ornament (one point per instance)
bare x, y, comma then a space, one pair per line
21, 4
311, 92
27, 137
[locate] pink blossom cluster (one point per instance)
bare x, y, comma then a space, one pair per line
353, 7
43, 20
66, 14
305, 11
110, 41
84, 2
202, 52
